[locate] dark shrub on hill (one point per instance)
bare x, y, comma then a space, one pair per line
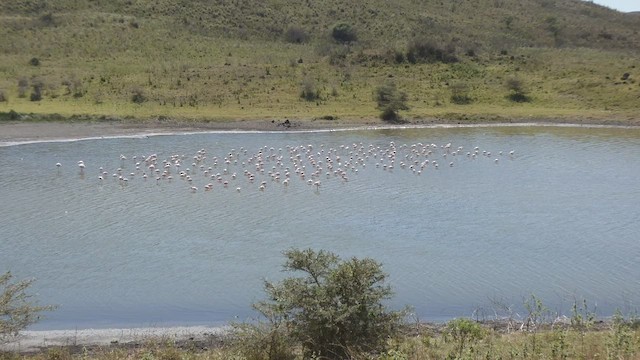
138, 96
343, 32
518, 92
424, 51
37, 85
296, 35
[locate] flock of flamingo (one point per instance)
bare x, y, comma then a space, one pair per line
269, 166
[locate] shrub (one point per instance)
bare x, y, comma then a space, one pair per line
423, 50
460, 94
37, 86
296, 35
309, 91
344, 33
74, 87
3, 96
518, 92
16, 310
390, 100
463, 331
47, 19
398, 57
335, 308
11, 115
23, 85
34, 61
138, 96
263, 340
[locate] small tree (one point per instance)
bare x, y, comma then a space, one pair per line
463, 331
344, 33
309, 91
335, 308
23, 86
16, 310
518, 92
460, 94
37, 86
390, 100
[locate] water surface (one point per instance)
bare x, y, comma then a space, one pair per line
559, 218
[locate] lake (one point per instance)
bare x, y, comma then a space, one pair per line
559, 218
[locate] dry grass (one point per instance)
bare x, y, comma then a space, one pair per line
231, 61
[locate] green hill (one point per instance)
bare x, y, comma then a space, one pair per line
228, 59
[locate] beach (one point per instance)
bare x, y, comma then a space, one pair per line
12, 132
34, 341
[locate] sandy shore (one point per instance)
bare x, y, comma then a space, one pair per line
25, 131
12, 132
32, 341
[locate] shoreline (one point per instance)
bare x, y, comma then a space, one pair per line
37, 340
25, 132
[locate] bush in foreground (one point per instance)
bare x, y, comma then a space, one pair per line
332, 311
16, 308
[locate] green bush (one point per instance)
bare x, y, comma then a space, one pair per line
16, 310
390, 100
460, 94
518, 92
334, 309
463, 331
309, 91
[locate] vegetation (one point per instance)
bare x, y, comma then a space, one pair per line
617, 339
344, 33
334, 310
17, 311
518, 93
241, 60
460, 94
390, 100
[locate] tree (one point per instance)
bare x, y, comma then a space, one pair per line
16, 309
335, 308
518, 92
390, 100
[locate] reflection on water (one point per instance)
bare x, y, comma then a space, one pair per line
559, 219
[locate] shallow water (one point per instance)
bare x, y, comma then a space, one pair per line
560, 219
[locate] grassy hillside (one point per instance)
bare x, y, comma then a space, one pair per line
230, 59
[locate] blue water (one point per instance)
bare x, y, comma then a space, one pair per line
560, 218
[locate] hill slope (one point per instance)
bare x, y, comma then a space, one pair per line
248, 59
